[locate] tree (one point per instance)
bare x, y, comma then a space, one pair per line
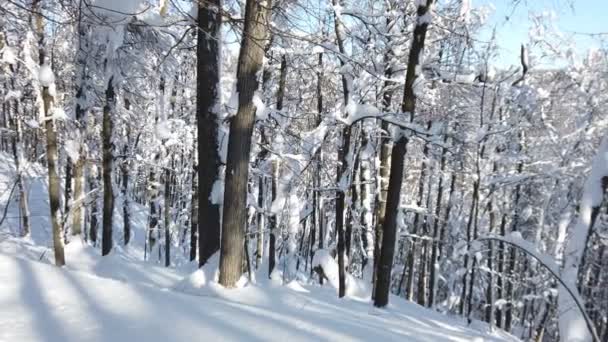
208, 76
46, 78
389, 230
239, 144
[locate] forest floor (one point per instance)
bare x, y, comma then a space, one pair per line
120, 297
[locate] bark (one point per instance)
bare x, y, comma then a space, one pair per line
167, 221
194, 214
154, 212
108, 159
80, 110
51, 145
93, 184
272, 220
316, 218
208, 75
259, 254
434, 268
126, 213
239, 144
54, 186
343, 154
77, 212
385, 158
67, 189
389, 233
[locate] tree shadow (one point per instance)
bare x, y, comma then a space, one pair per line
44, 316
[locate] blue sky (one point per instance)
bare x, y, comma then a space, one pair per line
573, 17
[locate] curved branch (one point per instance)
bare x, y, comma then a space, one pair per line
553, 272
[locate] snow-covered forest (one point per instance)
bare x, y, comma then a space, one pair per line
257, 170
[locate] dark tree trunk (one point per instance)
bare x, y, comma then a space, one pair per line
316, 217
343, 154
194, 214
208, 75
389, 233
272, 221
167, 221
126, 213
239, 144
108, 190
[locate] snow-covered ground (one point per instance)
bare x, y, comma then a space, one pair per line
123, 298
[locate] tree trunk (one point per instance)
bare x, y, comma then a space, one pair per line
384, 167
77, 217
316, 217
108, 189
208, 75
54, 187
436, 238
389, 233
194, 213
126, 213
259, 254
51, 142
272, 220
239, 144
167, 221
343, 154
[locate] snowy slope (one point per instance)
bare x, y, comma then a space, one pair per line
40, 302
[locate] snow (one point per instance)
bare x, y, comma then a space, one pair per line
572, 323
427, 18
8, 55
117, 8
120, 297
12, 95
356, 112
46, 76
72, 148
217, 192
465, 9
466, 78
260, 108
86, 307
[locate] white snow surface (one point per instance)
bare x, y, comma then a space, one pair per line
120, 297
46, 76
44, 303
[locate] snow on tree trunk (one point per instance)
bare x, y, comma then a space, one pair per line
572, 325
